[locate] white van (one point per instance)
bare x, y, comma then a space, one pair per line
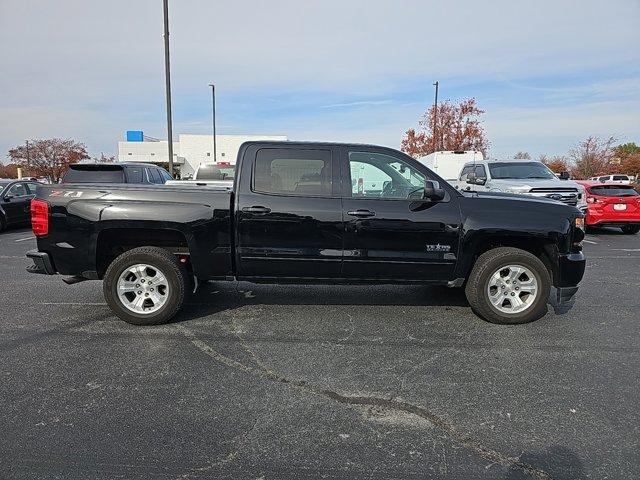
448, 164
617, 178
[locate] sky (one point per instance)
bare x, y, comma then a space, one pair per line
547, 73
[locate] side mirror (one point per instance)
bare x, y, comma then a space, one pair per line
432, 191
564, 176
7, 198
473, 180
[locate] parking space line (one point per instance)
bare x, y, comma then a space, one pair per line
73, 303
589, 241
626, 249
26, 238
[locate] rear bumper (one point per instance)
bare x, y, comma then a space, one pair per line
595, 217
570, 272
41, 263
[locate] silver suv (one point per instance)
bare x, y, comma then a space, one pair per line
523, 177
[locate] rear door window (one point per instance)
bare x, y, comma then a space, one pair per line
293, 172
102, 174
620, 177
18, 190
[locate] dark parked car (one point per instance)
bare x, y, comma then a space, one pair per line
116, 173
295, 216
15, 201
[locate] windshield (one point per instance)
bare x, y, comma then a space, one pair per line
522, 170
3, 184
613, 191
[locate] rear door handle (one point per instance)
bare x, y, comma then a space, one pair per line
362, 213
258, 210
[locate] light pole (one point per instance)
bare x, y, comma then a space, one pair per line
213, 120
435, 118
167, 76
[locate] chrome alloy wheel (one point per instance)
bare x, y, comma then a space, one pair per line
512, 289
143, 288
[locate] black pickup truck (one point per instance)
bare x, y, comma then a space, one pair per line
310, 213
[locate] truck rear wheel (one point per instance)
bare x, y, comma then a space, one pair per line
145, 286
508, 286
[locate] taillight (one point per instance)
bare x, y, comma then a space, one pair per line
39, 217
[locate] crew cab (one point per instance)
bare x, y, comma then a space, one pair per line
302, 213
612, 205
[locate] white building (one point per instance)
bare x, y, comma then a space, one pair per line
188, 152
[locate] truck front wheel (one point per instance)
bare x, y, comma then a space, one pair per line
508, 286
145, 286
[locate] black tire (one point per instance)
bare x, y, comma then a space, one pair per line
478, 284
630, 229
3, 223
166, 263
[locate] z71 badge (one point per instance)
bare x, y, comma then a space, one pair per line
66, 193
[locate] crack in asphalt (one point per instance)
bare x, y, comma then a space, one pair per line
367, 401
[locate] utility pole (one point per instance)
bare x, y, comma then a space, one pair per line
435, 118
213, 104
167, 76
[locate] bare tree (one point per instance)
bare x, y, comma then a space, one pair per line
522, 156
48, 158
104, 158
592, 157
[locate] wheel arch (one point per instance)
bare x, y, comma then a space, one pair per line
112, 242
543, 248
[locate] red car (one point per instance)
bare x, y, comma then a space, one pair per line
612, 205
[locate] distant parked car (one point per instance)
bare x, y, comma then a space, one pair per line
612, 205
15, 202
617, 178
115, 173
216, 175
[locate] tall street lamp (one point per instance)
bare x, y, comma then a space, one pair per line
213, 119
435, 118
167, 76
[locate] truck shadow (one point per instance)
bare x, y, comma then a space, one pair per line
212, 298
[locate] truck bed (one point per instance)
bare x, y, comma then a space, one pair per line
84, 217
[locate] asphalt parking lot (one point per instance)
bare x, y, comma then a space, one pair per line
320, 382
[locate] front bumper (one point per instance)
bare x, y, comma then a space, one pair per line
570, 272
42, 263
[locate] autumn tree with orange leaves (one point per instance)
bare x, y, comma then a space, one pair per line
457, 128
48, 158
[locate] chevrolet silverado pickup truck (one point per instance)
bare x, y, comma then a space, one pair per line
308, 213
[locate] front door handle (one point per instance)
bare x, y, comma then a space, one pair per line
258, 210
362, 213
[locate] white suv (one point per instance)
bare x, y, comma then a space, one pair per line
525, 177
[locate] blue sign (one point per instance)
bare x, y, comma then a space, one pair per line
135, 136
